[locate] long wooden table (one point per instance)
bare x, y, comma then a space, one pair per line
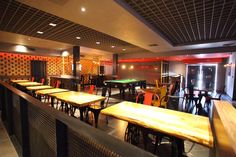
18, 81
177, 124
77, 99
26, 84
50, 91
46, 92
35, 88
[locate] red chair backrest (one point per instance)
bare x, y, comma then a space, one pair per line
42, 80
32, 79
57, 84
91, 89
148, 98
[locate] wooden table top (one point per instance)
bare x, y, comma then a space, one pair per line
18, 81
50, 91
179, 124
226, 121
78, 98
34, 88
26, 84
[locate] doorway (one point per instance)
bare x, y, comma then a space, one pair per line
202, 76
38, 70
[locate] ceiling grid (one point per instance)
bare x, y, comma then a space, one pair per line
188, 22
16, 17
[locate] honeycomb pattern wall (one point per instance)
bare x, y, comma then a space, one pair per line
12, 64
89, 67
19, 65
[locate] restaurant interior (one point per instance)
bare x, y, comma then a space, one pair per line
81, 78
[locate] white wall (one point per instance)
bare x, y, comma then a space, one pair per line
177, 68
108, 70
229, 79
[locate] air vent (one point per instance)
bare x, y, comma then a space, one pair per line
152, 45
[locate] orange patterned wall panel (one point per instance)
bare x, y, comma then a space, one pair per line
89, 67
19, 65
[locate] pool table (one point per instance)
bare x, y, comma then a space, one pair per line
124, 84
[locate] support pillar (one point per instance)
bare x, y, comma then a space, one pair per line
76, 65
115, 65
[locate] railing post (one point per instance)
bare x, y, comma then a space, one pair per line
9, 111
24, 127
3, 104
61, 138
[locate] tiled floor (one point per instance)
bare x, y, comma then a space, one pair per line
6, 147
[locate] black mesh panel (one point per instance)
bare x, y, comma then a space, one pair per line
41, 133
81, 146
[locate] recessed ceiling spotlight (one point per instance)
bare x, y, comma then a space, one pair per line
124, 49
98, 42
83, 9
39, 32
112, 46
52, 24
78, 38
29, 38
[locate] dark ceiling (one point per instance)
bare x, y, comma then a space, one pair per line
184, 22
19, 18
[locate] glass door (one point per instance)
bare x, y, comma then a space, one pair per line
208, 79
202, 76
193, 75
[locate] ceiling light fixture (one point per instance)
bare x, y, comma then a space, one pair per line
20, 48
112, 46
124, 49
39, 32
98, 42
52, 24
65, 53
78, 38
83, 9
123, 67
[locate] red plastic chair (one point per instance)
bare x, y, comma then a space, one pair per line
32, 79
91, 89
148, 98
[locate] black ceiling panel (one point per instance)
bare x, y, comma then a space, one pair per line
184, 22
19, 18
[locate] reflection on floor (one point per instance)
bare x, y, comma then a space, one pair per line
6, 147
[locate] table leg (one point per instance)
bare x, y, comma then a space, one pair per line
81, 110
52, 102
180, 147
